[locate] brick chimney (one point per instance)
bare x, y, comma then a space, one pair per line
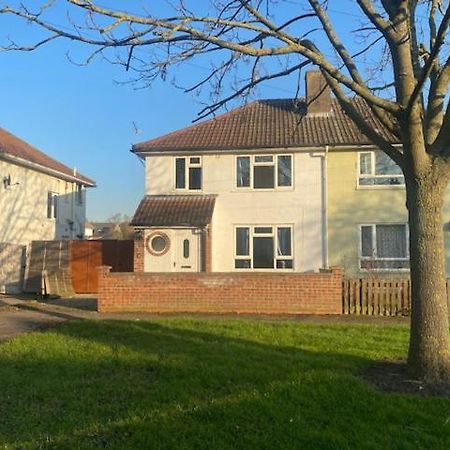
318, 94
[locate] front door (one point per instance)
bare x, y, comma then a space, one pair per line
187, 253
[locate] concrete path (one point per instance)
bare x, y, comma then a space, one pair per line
19, 315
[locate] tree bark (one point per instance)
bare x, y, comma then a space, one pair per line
429, 350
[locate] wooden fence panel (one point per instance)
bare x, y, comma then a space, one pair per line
378, 296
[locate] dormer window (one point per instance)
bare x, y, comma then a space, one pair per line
188, 173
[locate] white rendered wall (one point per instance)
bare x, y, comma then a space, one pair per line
300, 206
23, 207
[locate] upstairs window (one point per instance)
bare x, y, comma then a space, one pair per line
384, 247
264, 171
377, 169
263, 247
52, 205
188, 173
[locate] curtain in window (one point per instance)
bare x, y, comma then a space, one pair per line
284, 241
243, 171
284, 170
391, 241
365, 163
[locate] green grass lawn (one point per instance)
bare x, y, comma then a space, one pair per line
209, 384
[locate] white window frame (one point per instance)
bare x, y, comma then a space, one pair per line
373, 175
187, 165
362, 258
52, 207
274, 235
274, 163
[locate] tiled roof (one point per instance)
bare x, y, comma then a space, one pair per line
13, 146
268, 124
174, 210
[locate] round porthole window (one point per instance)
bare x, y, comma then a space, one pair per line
158, 243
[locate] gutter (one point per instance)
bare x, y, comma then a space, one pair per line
44, 169
325, 209
225, 151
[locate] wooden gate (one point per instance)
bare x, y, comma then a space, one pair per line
86, 256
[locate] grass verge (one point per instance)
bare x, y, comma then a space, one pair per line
209, 384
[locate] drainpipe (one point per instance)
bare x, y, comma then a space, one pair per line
325, 207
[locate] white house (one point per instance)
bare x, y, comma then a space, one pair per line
40, 199
246, 190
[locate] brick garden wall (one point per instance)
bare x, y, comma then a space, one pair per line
264, 293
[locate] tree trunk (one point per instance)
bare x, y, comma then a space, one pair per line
429, 351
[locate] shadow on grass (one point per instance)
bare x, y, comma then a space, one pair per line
191, 384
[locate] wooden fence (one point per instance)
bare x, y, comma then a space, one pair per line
378, 297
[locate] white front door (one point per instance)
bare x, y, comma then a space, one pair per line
187, 251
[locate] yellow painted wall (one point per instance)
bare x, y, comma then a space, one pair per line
350, 206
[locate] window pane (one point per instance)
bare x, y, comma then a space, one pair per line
391, 241
186, 248
195, 178
263, 177
263, 253
242, 241
194, 160
365, 163
263, 230
366, 242
385, 165
180, 168
284, 170
382, 181
243, 171
285, 264
55, 206
263, 158
284, 241
242, 263
49, 205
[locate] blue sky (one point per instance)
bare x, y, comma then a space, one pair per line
84, 118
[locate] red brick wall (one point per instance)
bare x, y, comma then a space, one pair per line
315, 293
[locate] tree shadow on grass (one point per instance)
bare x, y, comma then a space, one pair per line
182, 385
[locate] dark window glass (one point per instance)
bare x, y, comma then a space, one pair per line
194, 160
285, 264
366, 242
243, 171
158, 244
284, 241
186, 248
284, 170
263, 252
263, 230
195, 178
263, 158
55, 206
180, 175
263, 177
49, 205
242, 263
242, 241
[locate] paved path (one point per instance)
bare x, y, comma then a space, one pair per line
19, 315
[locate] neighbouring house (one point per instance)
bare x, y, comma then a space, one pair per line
109, 230
41, 199
283, 185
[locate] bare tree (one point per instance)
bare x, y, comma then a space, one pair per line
410, 36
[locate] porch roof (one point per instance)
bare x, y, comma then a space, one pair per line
174, 211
